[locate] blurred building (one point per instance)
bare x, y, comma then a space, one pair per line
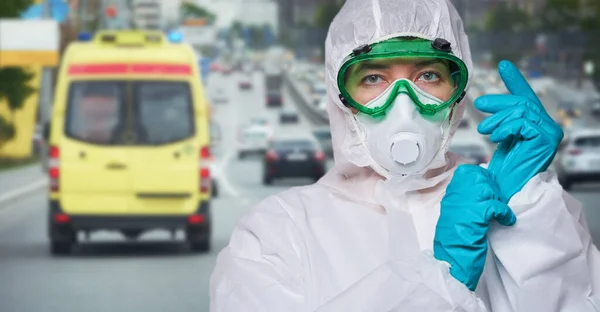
295, 12
147, 14
259, 13
473, 12
248, 12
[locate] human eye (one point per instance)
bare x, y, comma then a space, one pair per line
371, 80
429, 76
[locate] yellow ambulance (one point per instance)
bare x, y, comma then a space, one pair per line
129, 141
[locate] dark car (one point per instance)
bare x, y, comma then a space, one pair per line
293, 158
288, 116
274, 99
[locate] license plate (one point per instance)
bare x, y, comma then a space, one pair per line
296, 157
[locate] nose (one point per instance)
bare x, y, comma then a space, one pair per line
404, 108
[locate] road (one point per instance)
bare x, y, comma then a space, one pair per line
109, 274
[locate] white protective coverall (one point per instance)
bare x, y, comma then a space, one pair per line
353, 242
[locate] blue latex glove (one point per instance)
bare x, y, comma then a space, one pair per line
469, 206
528, 137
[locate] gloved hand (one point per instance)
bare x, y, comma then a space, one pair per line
528, 137
469, 206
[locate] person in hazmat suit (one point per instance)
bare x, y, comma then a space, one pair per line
399, 223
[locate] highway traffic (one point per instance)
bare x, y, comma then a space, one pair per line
109, 273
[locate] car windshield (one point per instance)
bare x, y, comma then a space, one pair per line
100, 112
255, 135
589, 142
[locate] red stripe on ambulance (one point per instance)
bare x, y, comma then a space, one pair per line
112, 69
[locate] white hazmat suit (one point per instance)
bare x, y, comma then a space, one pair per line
354, 242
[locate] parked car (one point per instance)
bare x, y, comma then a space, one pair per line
578, 159
293, 156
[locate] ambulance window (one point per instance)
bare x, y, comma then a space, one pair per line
94, 111
165, 112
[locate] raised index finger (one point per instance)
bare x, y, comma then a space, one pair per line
515, 82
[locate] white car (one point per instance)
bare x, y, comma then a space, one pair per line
253, 140
578, 159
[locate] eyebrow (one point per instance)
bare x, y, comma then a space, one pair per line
378, 66
370, 66
429, 62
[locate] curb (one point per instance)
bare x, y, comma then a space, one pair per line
22, 191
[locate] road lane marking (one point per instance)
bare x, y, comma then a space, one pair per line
22, 191
223, 178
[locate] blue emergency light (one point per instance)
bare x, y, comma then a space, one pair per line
175, 37
84, 36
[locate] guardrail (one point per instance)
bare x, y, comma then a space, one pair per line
303, 101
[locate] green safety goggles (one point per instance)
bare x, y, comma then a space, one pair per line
369, 73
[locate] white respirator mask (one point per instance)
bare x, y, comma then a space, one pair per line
404, 142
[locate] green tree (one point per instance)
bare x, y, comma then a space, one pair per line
257, 35
507, 18
504, 20
236, 29
191, 10
591, 25
15, 88
7, 131
561, 14
13, 8
14, 81
325, 13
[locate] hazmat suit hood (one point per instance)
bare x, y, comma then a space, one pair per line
362, 22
